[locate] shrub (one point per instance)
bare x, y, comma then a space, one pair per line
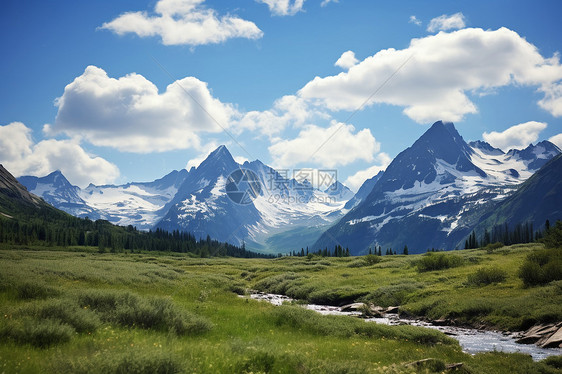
65, 312
484, 276
277, 284
41, 334
367, 260
542, 267
392, 295
554, 361
127, 309
431, 262
493, 246
33, 290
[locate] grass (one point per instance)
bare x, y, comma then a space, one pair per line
165, 313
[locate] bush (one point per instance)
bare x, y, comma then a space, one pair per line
277, 284
493, 246
65, 312
129, 310
367, 260
431, 262
392, 295
542, 267
33, 290
41, 334
554, 361
484, 276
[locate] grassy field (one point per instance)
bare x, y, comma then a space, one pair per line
161, 313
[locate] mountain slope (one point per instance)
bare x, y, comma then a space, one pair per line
535, 201
14, 193
363, 191
433, 193
56, 190
281, 205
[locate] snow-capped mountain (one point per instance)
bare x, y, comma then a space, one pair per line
433, 193
141, 204
137, 204
56, 190
202, 205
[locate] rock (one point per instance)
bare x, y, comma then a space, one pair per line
440, 322
553, 341
546, 335
355, 307
376, 311
392, 310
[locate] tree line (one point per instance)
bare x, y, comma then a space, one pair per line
519, 234
46, 226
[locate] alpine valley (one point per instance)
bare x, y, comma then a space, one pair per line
432, 195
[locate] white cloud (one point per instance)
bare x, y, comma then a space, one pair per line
356, 180
326, 2
283, 7
347, 60
557, 140
286, 111
21, 156
129, 113
442, 69
445, 22
328, 147
552, 101
184, 22
515, 137
415, 20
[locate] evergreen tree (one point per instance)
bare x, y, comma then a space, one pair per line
405, 250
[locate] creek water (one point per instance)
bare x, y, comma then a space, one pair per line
471, 340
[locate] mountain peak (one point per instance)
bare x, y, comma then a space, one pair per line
219, 159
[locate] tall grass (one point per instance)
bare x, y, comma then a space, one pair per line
129, 310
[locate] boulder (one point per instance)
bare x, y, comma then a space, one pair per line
355, 307
392, 310
552, 341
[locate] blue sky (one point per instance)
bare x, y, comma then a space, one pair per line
104, 90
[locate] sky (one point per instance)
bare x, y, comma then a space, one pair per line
111, 92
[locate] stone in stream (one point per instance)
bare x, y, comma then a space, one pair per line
546, 335
554, 341
355, 307
392, 310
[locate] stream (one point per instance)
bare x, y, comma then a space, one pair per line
471, 340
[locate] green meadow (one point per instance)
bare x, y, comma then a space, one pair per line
76, 311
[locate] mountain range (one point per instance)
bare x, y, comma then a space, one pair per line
433, 194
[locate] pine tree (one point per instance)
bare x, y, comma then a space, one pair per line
405, 250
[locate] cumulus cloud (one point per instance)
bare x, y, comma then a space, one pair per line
557, 140
515, 137
315, 144
552, 101
289, 110
356, 180
415, 20
183, 22
284, 7
347, 60
22, 156
129, 113
445, 22
440, 70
